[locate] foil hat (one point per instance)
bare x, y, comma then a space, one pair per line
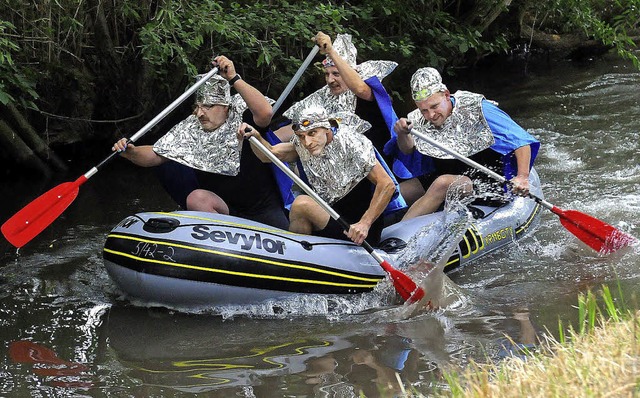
425, 82
343, 46
215, 91
312, 117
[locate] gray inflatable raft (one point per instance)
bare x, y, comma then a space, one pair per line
186, 258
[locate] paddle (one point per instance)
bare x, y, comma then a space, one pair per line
32, 219
597, 234
404, 285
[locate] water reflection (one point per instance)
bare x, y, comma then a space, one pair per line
197, 353
45, 363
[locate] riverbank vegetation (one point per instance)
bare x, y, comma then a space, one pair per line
601, 358
76, 72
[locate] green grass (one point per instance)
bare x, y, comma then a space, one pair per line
599, 358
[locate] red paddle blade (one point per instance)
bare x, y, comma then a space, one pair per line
597, 234
37, 215
405, 286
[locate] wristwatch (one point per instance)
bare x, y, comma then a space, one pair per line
234, 79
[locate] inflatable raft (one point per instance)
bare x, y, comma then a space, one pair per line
186, 258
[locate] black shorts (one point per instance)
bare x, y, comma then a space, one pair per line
335, 231
351, 208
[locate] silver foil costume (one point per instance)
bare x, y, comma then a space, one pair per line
344, 162
466, 130
215, 151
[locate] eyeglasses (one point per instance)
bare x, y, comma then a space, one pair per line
203, 107
304, 123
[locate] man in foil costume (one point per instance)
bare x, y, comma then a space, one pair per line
213, 170
472, 126
341, 166
352, 88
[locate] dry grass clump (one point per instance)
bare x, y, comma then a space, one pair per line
597, 361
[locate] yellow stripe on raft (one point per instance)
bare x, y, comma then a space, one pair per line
278, 263
526, 224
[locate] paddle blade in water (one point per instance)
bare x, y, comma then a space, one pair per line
597, 234
37, 215
405, 286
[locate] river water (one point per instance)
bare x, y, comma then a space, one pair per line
67, 331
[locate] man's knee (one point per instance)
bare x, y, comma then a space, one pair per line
300, 205
195, 199
203, 200
446, 181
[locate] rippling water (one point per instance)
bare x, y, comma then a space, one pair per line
67, 332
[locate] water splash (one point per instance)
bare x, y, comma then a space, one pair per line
425, 257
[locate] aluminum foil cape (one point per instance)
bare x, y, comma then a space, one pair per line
215, 151
466, 130
343, 163
345, 102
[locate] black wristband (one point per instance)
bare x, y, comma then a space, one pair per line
235, 79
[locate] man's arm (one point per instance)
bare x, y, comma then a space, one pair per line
351, 78
285, 151
523, 160
511, 137
143, 156
257, 103
405, 140
384, 189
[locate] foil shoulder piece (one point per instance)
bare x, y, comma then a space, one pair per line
351, 121
466, 131
345, 102
380, 69
216, 151
344, 162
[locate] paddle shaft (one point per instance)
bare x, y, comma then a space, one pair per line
154, 121
403, 284
332, 213
478, 166
295, 79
